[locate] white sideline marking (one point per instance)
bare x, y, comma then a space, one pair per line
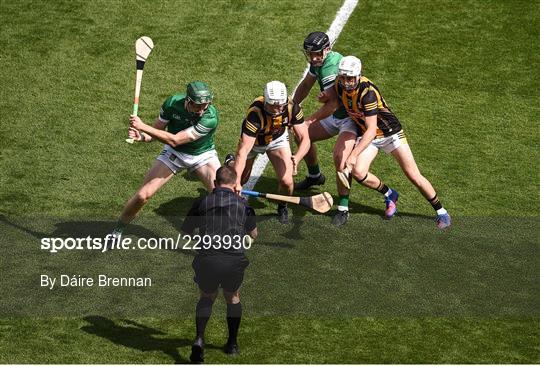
342, 16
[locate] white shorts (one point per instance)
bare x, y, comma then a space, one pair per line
282, 142
335, 126
388, 144
178, 161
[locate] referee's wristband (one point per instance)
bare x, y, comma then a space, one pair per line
143, 136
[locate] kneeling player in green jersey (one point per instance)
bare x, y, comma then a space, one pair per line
186, 125
379, 130
324, 69
264, 130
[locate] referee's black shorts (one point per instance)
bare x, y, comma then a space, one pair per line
225, 270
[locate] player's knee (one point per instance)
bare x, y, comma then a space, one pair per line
415, 177
286, 181
359, 173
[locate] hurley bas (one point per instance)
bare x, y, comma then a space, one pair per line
99, 281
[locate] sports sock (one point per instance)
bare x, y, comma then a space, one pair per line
202, 315
234, 316
437, 205
120, 226
314, 171
343, 203
384, 189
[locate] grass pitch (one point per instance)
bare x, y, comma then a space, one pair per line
462, 78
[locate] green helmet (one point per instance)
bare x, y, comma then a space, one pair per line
199, 93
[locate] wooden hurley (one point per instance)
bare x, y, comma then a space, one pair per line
143, 47
321, 202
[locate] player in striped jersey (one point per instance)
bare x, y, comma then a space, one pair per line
379, 130
264, 130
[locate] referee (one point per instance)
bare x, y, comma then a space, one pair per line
226, 221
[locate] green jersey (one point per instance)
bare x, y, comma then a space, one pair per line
173, 112
326, 75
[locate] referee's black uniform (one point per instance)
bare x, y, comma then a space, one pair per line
226, 215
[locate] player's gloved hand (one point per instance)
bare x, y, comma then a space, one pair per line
135, 134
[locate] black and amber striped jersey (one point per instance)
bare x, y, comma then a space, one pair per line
265, 127
367, 99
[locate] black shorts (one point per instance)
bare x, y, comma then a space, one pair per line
225, 270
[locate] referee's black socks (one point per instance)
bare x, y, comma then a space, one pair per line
234, 315
202, 315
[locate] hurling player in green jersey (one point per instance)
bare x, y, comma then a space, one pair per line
186, 125
324, 69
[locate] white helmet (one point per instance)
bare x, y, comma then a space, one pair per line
350, 66
275, 94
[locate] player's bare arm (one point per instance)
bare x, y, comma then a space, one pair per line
302, 135
245, 145
367, 138
304, 88
143, 137
168, 138
327, 109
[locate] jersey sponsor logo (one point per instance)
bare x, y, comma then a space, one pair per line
182, 118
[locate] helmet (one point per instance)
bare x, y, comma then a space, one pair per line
349, 67
199, 93
316, 41
275, 94
316, 47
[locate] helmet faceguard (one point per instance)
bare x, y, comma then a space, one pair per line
316, 47
275, 98
198, 98
349, 72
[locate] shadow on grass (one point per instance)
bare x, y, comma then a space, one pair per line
130, 334
78, 229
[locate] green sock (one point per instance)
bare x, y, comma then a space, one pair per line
314, 170
120, 226
343, 203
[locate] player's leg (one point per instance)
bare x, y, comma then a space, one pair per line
344, 145
363, 176
318, 131
282, 163
155, 178
206, 168
404, 157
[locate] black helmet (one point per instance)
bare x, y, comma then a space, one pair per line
316, 41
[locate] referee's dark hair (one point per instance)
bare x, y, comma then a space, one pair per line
225, 175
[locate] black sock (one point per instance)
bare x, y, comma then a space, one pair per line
234, 315
382, 188
202, 315
435, 203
